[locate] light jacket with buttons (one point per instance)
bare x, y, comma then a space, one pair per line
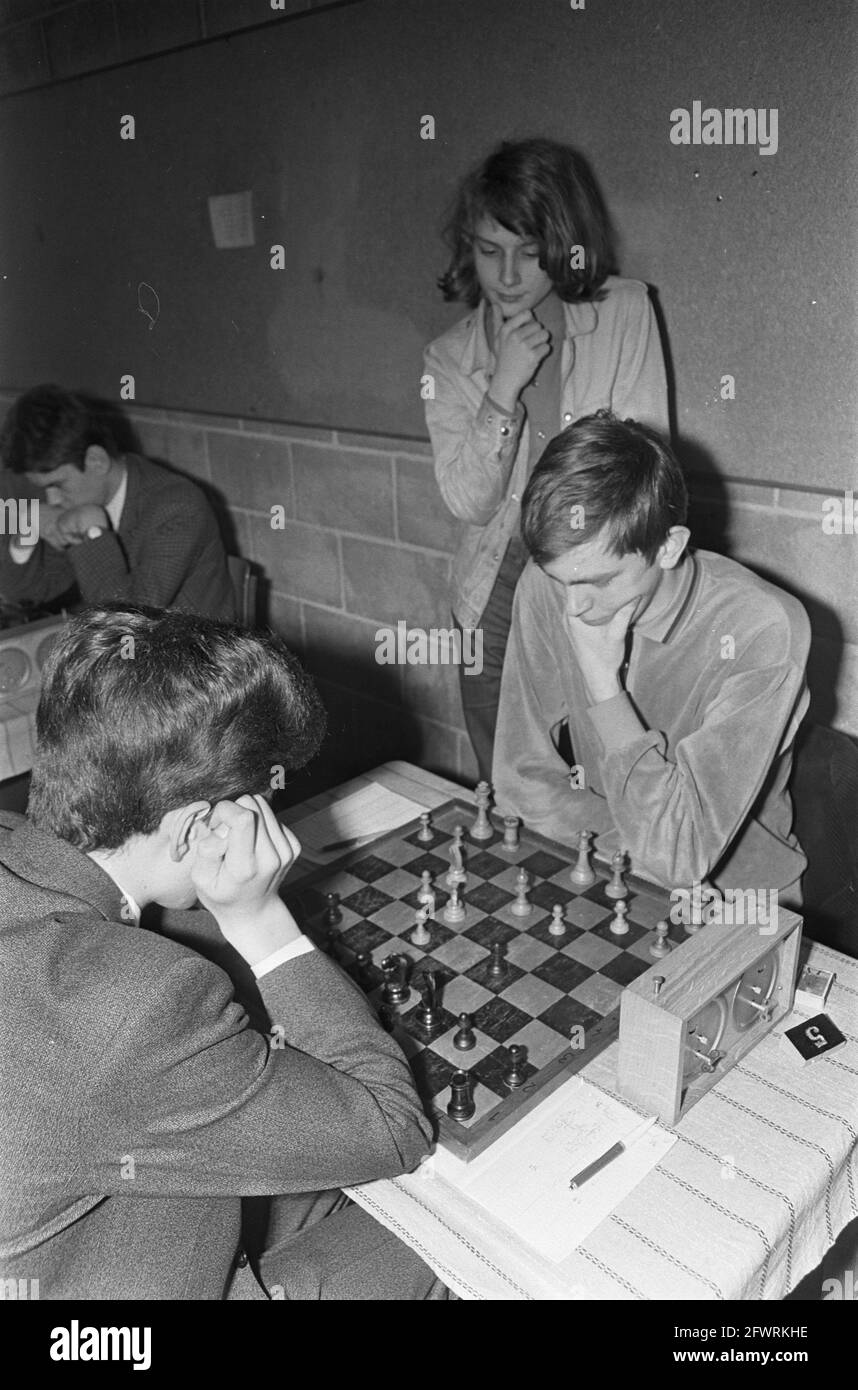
611, 357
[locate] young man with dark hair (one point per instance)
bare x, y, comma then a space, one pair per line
678, 676
140, 1104
115, 525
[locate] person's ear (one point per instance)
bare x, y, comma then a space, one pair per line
672, 550
96, 461
179, 827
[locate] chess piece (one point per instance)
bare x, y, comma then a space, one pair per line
421, 935
619, 925
482, 826
428, 1010
461, 1103
661, 946
363, 969
522, 907
510, 832
515, 1074
617, 888
464, 1037
426, 834
582, 875
497, 963
456, 872
333, 915
557, 926
396, 989
455, 910
425, 893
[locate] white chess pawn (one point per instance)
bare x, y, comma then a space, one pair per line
557, 926
522, 907
510, 832
661, 946
421, 935
454, 911
456, 873
617, 888
425, 894
482, 826
619, 925
582, 875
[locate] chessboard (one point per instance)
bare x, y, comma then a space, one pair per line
539, 1005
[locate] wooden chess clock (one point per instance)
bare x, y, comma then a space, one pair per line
690, 1018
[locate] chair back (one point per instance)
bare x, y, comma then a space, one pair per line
824, 789
244, 587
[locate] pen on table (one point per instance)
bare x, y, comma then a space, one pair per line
610, 1154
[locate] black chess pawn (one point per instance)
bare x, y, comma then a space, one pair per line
497, 962
461, 1103
464, 1037
363, 970
515, 1074
333, 915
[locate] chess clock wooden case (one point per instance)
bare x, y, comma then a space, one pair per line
690, 1018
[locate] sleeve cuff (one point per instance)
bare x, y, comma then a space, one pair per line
499, 426
299, 947
616, 722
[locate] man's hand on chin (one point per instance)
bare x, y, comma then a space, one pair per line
600, 650
81, 523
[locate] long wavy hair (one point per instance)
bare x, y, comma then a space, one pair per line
542, 191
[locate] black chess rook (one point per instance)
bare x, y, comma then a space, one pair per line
461, 1103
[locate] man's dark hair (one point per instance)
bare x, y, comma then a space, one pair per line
144, 711
603, 472
539, 190
47, 427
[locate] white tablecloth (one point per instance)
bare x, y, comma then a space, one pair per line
757, 1188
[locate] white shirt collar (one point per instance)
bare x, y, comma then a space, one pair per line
130, 910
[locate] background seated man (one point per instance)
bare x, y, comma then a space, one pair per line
680, 675
140, 1104
117, 525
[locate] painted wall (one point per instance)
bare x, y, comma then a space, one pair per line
300, 387
753, 254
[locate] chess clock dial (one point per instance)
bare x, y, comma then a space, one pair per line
753, 993
703, 1034
14, 670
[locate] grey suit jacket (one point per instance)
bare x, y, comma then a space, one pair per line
138, 1104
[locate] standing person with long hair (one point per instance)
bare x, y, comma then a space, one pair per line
552, 335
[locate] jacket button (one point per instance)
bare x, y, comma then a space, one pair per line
567, 418
241, 1260
496, 555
